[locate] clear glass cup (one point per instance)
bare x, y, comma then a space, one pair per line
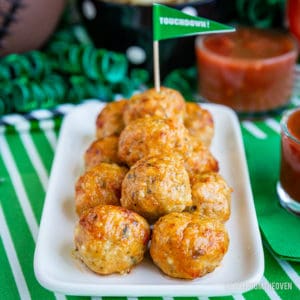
293, 16
288, 186
250, 70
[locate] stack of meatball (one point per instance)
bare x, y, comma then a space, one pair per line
151, 182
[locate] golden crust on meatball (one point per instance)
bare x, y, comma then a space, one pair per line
99, 185
211, 196
200, 159
102, 150
155, 186
186, 246
199, 122
152, 136
167, 103
111, 239
110, 120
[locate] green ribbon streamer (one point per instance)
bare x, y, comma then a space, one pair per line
114, 66
183, 80
2, 107
259, 13
65, 71
23, 99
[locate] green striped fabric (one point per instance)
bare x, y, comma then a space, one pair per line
25, 164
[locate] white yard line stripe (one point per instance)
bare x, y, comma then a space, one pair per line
287, 268
295, 100
13, 258
202, 298
59, 296
273, 124
254, 130
40, 170
290, 272
238, 297
267, 287
19, 187
17, 181
51, 138
34, 157
47, 127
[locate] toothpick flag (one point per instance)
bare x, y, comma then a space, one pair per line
170, 23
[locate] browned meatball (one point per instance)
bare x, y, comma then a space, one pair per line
200, 160
152, 136
99, 185
110, 120
186, 246
167, 103
155, 186
111, 239
211, 196
199, 122
102, 150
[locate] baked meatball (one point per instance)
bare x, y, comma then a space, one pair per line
199, 122
99, 185
186, 246
200, 159
167, 103
155, 186
111, 239
152, 136
110, 120
211, 196
102, 150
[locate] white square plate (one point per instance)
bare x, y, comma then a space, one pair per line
55, 267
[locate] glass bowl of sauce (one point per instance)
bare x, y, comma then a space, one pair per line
250, 70
293, 16
288, 187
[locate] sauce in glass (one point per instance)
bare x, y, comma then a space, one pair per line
290, 156
293, 16
249, 70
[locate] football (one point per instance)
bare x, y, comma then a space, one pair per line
27, 24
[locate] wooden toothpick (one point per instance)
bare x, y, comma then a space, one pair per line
156, 66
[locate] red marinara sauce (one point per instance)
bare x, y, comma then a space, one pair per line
293, 17
249, 70
290, 156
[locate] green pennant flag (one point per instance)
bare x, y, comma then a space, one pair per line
170, 23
